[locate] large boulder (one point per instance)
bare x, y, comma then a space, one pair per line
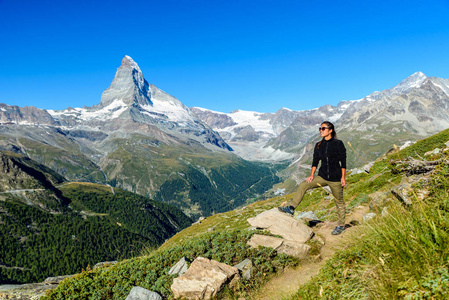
204, 279
279, 223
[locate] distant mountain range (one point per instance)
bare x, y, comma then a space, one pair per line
419, 102
144, 140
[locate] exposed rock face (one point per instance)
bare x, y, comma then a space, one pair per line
213, 119
281, 224
204, 279
128, 85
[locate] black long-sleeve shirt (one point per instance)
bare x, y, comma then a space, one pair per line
332, 154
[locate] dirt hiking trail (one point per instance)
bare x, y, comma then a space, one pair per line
285, 284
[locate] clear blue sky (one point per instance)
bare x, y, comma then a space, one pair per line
222, 55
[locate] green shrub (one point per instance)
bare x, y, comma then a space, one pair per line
151, 272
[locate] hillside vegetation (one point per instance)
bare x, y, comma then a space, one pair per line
48, 230
402, 254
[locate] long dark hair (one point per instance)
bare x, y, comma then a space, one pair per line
333, 133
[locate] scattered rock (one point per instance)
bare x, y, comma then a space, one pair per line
105, 264
245, 267
279, 223
204, 279
364, 169
179, 268
328, 190
401, 192
434, 151
369, 216
139, 293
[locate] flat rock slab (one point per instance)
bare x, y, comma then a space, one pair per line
279, 223
204, 279
280, 245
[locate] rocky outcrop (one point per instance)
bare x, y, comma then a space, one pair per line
281, 224
294, 233
204, 279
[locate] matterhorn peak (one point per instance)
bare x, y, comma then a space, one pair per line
128, 62
128, 86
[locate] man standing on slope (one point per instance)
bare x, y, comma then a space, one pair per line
332, 154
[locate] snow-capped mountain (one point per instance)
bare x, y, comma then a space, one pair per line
421, 102
131, 99
418, 103
247, 132
141, 139
265, 136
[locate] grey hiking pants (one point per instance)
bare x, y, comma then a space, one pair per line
337, 192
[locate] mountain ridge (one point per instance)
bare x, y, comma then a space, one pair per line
138, 138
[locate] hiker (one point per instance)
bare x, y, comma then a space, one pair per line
332, 154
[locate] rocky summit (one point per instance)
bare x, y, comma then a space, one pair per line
131, 100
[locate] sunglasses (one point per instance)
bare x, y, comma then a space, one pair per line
322, 128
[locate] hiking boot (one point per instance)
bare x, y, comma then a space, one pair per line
287, 209
338, 230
